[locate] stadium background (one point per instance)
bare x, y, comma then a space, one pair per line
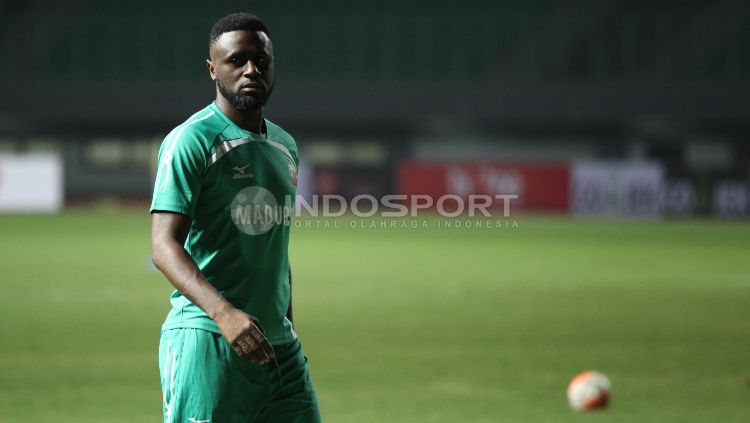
622, 126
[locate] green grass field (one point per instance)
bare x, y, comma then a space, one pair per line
403, 325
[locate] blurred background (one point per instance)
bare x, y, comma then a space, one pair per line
611, 108
367, 88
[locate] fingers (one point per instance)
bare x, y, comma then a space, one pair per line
248, 349
263, 345
253, 345
267, 348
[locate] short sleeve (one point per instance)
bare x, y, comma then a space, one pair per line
295, 153
181, 164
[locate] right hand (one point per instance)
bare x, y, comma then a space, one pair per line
245, 335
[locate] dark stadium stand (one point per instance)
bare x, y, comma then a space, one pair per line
508, 62
525, 41
604, 73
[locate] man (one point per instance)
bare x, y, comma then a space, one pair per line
220, 229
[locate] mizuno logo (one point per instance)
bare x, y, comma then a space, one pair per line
241, 172
241, 169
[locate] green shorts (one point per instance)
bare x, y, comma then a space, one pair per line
204, 381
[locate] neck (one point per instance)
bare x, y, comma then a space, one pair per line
249, 120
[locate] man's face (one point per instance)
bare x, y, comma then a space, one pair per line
241, 64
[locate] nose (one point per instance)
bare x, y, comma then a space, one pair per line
251, 69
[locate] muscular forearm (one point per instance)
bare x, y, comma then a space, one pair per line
241, 330
180, 269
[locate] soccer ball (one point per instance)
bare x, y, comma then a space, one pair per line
588, 391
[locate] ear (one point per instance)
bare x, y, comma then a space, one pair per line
211, 70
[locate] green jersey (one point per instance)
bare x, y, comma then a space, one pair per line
238, 187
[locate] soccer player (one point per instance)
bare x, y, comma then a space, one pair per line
221, 213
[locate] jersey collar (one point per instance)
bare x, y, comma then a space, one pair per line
263, 136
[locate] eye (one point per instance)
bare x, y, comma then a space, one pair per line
237, 61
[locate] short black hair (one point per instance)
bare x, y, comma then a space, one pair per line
236, 22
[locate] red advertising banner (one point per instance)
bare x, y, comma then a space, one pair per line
539, 187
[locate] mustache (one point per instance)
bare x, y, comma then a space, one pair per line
243, 102
258, 82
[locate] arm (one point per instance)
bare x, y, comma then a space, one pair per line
242, 331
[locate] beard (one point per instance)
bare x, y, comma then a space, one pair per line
243, 102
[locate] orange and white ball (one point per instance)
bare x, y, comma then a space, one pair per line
589, 390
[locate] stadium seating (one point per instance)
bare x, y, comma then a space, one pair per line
524, 41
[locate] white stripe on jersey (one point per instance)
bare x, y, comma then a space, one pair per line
282, 148
226, 147
229, 145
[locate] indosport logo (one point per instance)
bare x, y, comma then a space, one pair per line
255, 211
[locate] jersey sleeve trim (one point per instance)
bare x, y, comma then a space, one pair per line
170, 208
